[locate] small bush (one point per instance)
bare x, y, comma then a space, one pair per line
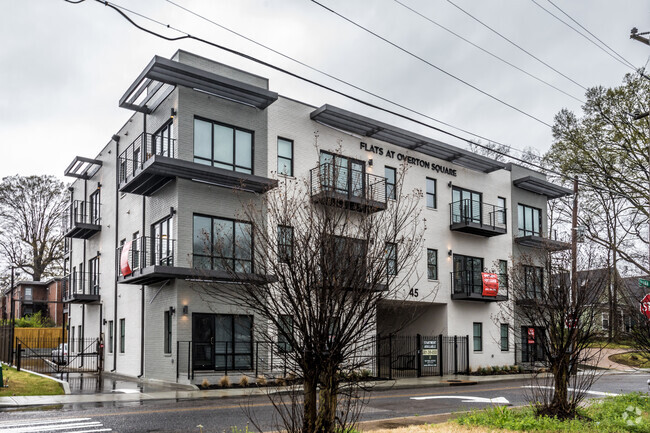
365, 373
260, 380
224, 382
243, 381
205, 383
279, 381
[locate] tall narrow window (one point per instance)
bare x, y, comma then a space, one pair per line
505, 345
533, 281
94, 211
223, 146
122, 335
93, 276
478, 336
285, 156
163, 142
466, 206
162, 244
167, 331
343, 175
285, 244
432, 264
391, 258
72, 336
503, 273
501, 210
431, 193
135, 250
110, 336
285, 333
391, 177
467, 277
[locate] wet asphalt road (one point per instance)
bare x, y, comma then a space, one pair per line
218, 415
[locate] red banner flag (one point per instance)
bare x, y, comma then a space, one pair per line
531, 335
490, 284
124, 259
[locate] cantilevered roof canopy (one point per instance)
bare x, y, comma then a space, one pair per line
361, 125
83, 168
541, 186
161, 75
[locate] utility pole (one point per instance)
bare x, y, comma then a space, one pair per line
11, 319
574, 245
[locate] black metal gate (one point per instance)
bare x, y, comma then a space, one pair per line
53, 355
421, 355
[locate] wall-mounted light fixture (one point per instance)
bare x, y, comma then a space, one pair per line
104, 322
172, 311
172, 113
450, 252
370, 162
98, 254
116, 138
449, 184
186, 310
99, 185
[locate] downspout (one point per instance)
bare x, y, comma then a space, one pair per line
142, 153
117, 206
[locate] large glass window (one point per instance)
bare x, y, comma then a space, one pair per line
391, 258
233, 341
432, 264
533, 281
223, 146
478, 336
285, 157
285, 244
467, 274
529, 221
343, 175
466, 206
222, 244
431, 193
391, 177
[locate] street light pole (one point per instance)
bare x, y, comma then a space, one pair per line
11, 319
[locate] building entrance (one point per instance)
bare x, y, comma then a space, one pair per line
222, 342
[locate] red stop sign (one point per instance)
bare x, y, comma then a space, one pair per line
645, 305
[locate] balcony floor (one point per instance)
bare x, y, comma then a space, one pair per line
81, 298
360, 204
158, 170
157, 274
542, 243
477, 229
83, 231
477, 297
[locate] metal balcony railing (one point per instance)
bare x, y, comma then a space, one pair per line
145, 146
469, 284
80, 283
352, 186
81, 212
148, 251
475, 212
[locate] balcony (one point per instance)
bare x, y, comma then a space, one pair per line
150, 162
81, 287
151, 260
81, 220
478, 218
552, 242
468, 286
338, 186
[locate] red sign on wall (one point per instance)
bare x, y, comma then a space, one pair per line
490, 284
124, 259
645, 306
531, 335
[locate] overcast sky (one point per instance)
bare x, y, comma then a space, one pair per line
63, 67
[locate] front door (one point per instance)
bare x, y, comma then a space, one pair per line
203, 341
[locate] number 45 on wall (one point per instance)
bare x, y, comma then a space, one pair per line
414, 293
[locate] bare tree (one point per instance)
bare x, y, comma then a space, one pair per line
559, 323
31, 238
317, 256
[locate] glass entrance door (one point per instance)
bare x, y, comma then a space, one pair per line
203, 341
466, 206
222, 341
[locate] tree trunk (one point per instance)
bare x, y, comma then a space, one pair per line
560, 402
328, 401
310, 403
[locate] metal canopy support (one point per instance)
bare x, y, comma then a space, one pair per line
162, 71
83, 168
543, 187
364, 126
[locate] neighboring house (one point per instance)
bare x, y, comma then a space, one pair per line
31, 297
201, 130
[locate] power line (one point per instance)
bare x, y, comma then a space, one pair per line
623, 62
404, 50
186, 35
486, 51
596, 37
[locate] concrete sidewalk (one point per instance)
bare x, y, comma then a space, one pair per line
421, 382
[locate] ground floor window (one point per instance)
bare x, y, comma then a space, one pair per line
505, 346
222, 341
110, 336
531, 347
478, 336
167, 331
122, 335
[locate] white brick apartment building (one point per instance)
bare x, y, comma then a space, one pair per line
202, 129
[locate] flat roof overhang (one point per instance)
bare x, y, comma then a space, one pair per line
543, 187
83, 168
158, 170
161, 72
82, 298
81, 230
156, 274
367, 127
542, 243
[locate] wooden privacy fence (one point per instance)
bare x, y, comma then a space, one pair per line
42, 337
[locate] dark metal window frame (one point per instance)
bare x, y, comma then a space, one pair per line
333, 176
284, 343
477, 338
285, 249
505, 339
167, 332
212, 161
391, 193
212, 255
391, 258
233, 346
159, 254
94, 211
164, 134
432, 265
93, 276
534, 289
433, 194
291, 172
462, 215
522, 230
110, 336
468, 270
122, 335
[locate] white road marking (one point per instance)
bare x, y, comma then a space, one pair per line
57, 425
586, 391
53, 421
127, 391
497, 400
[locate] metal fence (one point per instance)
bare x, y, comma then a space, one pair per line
55, 355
